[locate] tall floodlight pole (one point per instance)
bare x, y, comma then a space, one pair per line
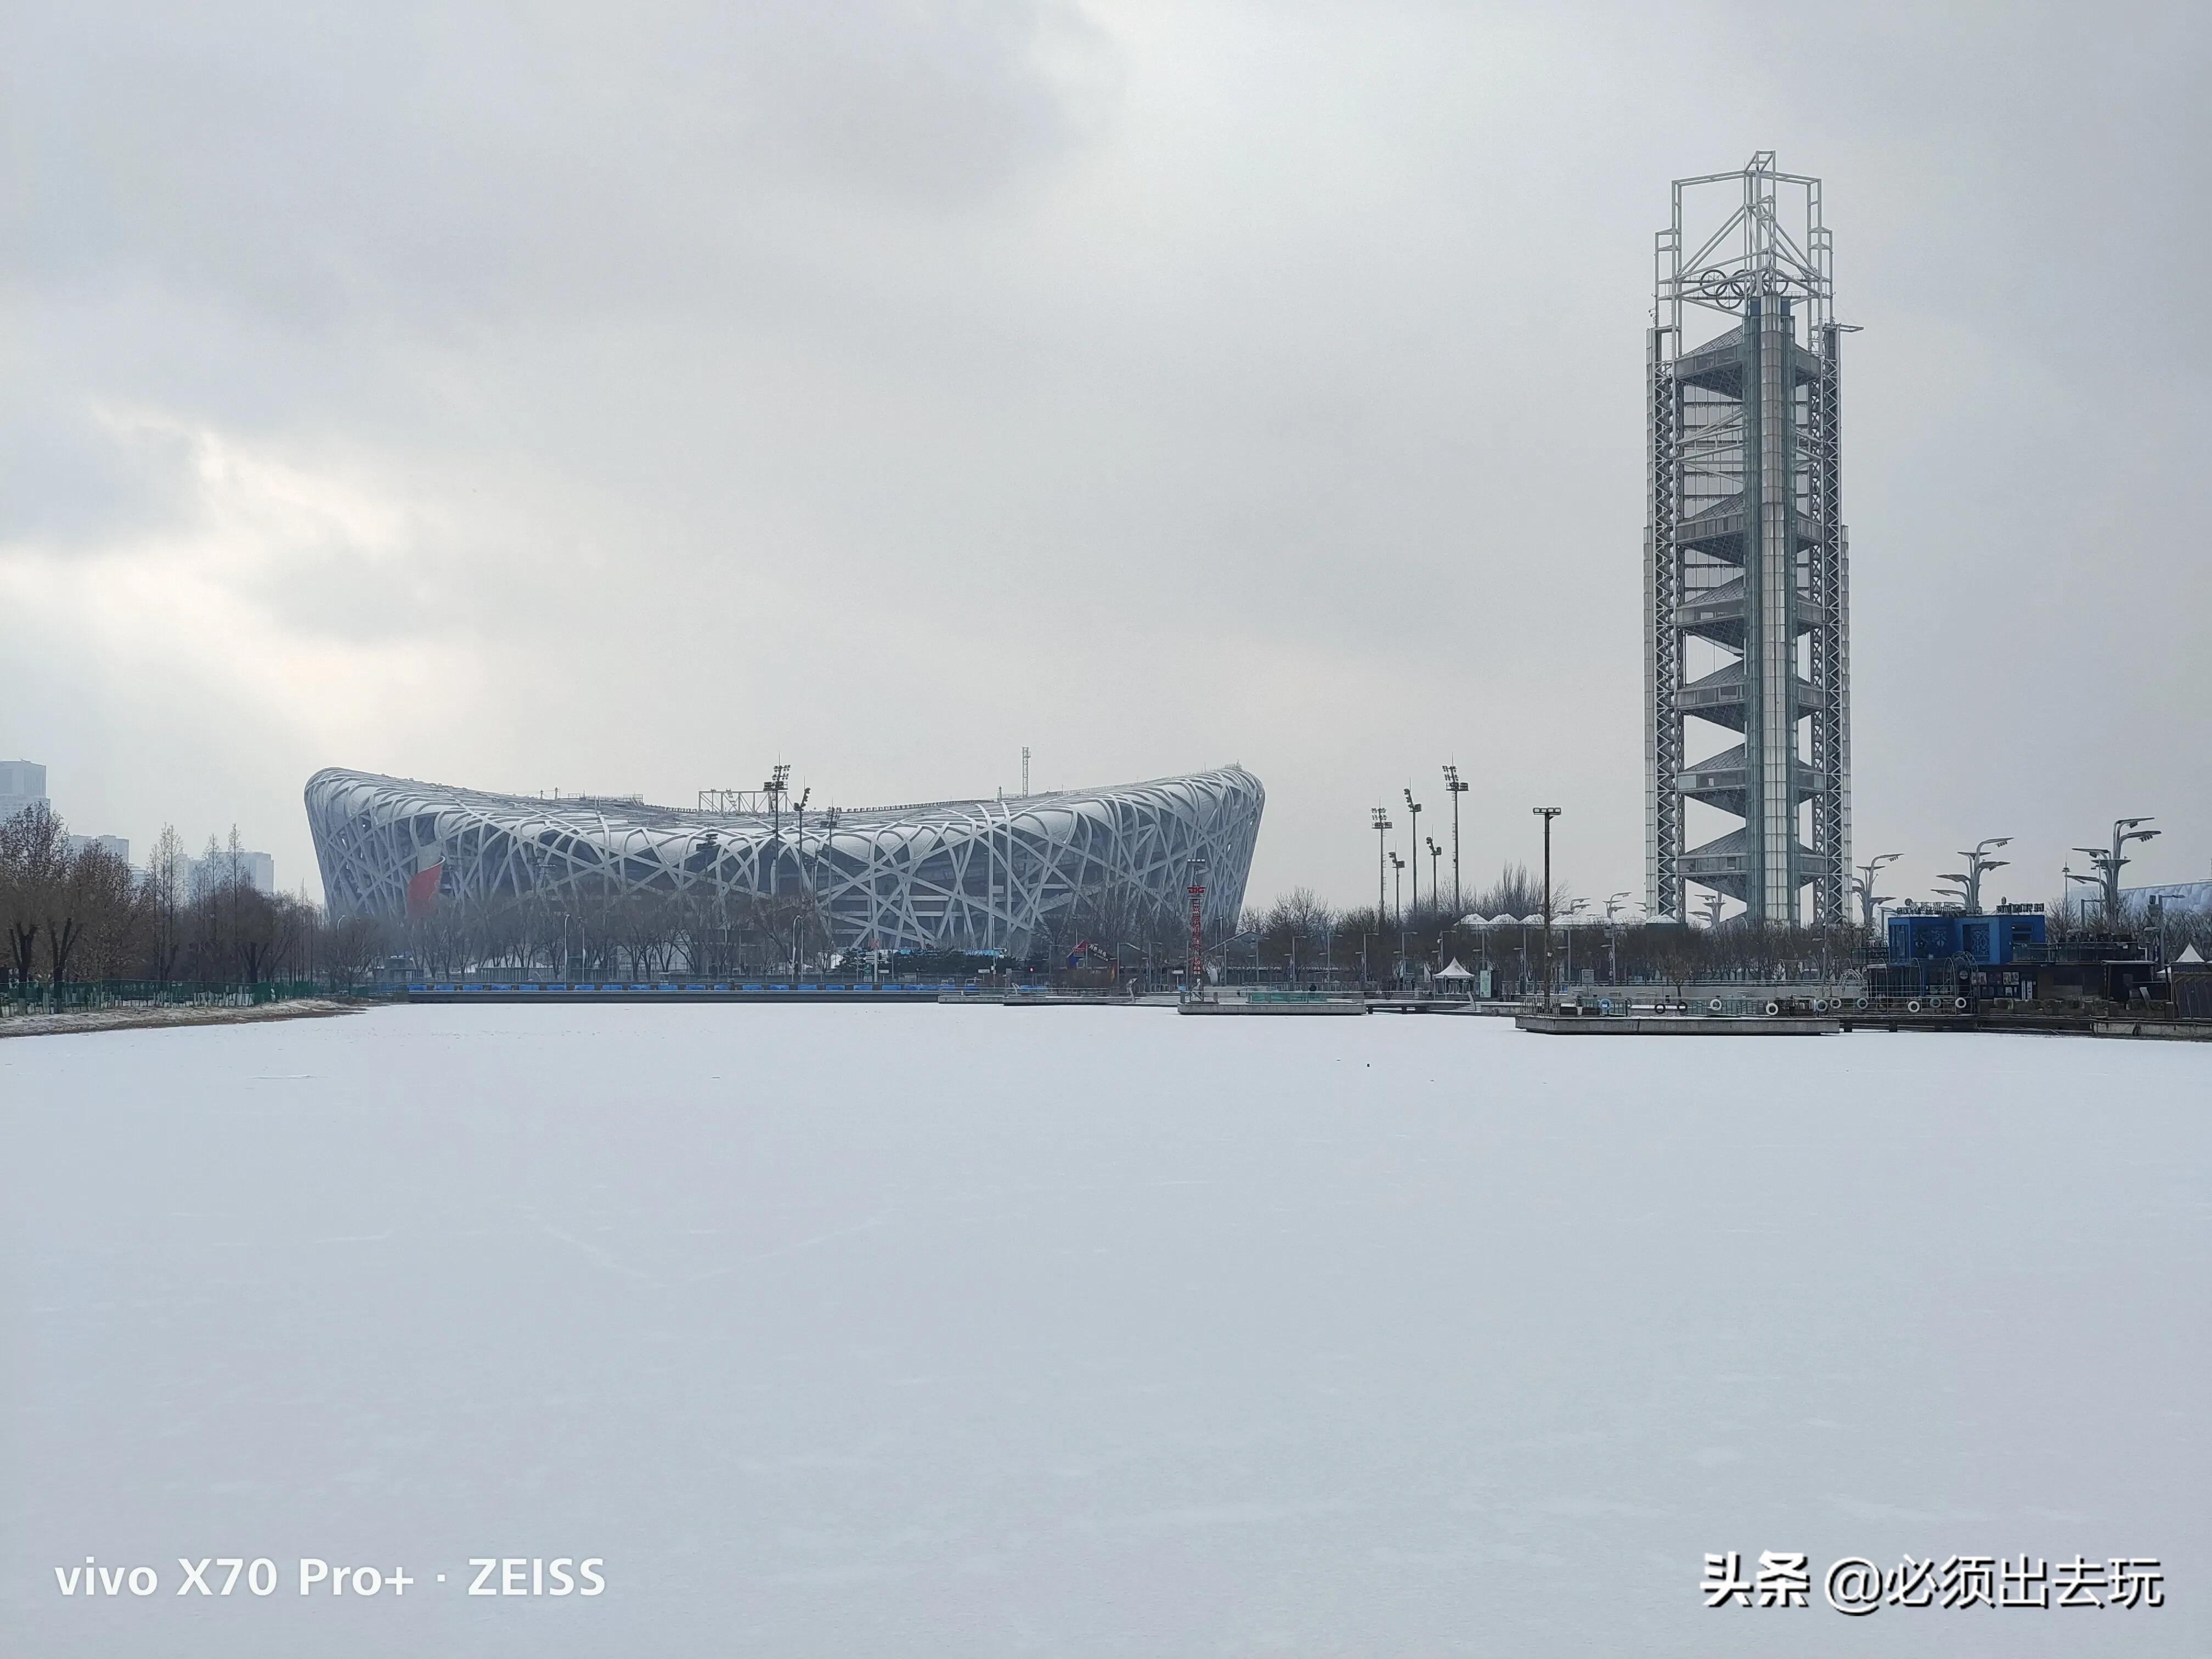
805, 893
775, 786
1381, 820
1746, 557
1435, 852
1413, 835
1547, 813
1455, 787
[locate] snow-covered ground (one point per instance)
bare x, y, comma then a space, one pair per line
972, 1331
128, 1016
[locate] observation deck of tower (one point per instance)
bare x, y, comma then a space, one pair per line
1745, 558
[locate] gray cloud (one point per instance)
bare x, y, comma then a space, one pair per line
619, 400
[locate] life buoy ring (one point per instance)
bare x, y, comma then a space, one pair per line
1861, 1004
1773, 1007
1714, 1006
1914, 1006
1959, 1003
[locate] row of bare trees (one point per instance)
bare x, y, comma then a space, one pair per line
612, 934
607, 933
77, 914
1299, 935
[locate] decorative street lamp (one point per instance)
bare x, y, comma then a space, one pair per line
1864, 887
2109, 861
1978, 864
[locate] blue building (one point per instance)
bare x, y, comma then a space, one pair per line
1988, 941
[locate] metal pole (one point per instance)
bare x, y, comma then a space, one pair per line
1457, 788
1197, 975
1381, 822
1398, 893
1547, 813
1413, 835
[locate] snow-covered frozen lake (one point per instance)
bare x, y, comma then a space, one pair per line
971, 1331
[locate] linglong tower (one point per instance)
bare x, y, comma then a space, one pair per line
1745, 573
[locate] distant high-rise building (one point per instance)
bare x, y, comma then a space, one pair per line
23, 785
116, 844
1745, 576
201, 877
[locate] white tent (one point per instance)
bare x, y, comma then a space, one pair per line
1455, 971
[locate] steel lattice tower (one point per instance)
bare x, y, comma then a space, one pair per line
1746, 559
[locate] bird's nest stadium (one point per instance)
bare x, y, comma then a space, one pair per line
968, 875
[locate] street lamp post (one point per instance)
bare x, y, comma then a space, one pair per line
2067, 875
1436, 852
1413, 835
1547, 813
1398, 897
1195, 987
1453, 784
1570, 913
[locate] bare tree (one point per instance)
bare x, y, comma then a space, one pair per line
34, 849
164, 902
86, 888
269, 931
113, 941
792, 924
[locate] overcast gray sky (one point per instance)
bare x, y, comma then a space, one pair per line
624, 399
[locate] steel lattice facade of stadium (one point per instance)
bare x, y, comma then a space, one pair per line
968, 875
